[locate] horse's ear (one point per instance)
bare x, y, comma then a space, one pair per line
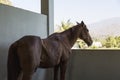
82, 22
78, 23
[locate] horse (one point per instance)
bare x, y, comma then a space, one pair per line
31, 52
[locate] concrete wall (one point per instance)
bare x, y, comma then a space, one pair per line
94, 65
15, 23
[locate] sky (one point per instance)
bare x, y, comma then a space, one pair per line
31, 5
89, 11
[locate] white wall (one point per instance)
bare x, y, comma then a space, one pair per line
15, 23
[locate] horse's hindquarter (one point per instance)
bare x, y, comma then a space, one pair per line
29, 51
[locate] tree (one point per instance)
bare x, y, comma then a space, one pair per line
6, 2
64, 26
112, 42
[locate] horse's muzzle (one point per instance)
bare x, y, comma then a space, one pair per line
90, 43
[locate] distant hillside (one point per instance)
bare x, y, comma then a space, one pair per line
104, 28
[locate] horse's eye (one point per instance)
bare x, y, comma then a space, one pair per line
87, 30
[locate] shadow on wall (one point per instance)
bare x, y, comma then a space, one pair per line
3, 62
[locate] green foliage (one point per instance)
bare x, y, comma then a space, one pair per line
112, 42
64, 26
6, 2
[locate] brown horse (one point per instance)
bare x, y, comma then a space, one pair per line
31, 52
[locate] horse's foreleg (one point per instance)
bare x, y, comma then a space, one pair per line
63, 67
20, 76
56, 68
27, 76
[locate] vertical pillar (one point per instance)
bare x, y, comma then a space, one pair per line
47, 8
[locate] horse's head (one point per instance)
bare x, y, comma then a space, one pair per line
84, 33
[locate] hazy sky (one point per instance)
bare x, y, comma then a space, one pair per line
89, 11
32, 5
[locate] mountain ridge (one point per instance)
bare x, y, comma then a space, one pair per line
108, 27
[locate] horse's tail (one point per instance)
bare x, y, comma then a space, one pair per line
13, 67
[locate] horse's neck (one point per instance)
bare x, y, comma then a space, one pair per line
71, 35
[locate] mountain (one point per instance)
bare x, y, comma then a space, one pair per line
108, 27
